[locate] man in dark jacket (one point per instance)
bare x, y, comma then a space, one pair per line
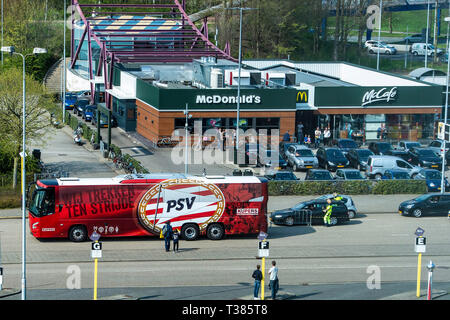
167, 233
257, 275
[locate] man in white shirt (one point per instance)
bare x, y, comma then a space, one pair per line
273, 284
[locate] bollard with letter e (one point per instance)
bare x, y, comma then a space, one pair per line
419, 248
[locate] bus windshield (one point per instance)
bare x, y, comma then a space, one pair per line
43, 202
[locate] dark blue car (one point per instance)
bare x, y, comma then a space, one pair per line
71, 98
88, 112
433, 179
394, 174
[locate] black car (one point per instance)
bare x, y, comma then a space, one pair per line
331, 158
425, 158
403, 154
348, 174
312, 210
380, 148
318, 175
427, 204
358, 158
80, 105
346, 145
103, 120
278, 164
282, 175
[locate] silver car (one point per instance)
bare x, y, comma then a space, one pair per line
352, 211
301, 157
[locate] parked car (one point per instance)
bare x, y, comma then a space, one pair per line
396, 174
444, 57
318, 174
438, 145
370, 43
382, 48
331, 158
83, 94
299, 214
358, 158
433, 179
377, 165
347, 200
348, 174
346, 145
284, 147
427, 204
405, 155
420, 49
71, 98
426, 158
278, 164
301, 157
380, 148
88, 112
80, 104
282, 175
414, 38
408, 145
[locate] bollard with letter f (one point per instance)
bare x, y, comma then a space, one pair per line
263, 252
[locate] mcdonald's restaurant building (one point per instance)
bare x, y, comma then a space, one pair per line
353, 101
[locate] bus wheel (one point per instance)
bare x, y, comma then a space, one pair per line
78, 233
215, 231
190, 231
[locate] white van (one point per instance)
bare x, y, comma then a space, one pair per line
420, 49
377, 165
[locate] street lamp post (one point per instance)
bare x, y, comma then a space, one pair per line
239, 75
64, 67
379, 36
11, 51
426, 36
447, 19
186, 155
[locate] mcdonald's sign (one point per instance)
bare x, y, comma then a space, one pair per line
302, 96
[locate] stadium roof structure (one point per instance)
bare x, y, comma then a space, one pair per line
161, 32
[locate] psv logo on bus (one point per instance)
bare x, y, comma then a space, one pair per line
180, 201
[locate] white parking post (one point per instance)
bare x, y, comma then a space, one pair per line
1, 278
430, 268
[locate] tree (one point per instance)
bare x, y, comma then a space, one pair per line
11, 111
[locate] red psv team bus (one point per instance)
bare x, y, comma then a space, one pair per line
140, 205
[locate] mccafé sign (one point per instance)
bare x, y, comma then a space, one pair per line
382, 95
218, 99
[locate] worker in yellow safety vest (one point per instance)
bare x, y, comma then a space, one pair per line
337, 197
328, 210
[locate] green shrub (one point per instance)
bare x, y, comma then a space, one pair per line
277, 188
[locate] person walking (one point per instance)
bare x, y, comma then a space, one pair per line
257, 275
287, 137
167, 233
274, 284
328, 210
175, 237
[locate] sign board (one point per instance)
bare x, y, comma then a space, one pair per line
421, 244
443, 131
419, 232
96, 251
263, 249
262, 236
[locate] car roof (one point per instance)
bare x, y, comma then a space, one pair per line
318, 170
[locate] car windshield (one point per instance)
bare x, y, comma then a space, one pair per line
321, 175
303, 153
422, 197
83, 102
426, 153
412, 145
285, 176
384, 147
299, 206
334, 154
353, 175
42, 202
400, 175
364, 154
348, 144
433, 175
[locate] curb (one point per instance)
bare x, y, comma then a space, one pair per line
281, 295
411, 295
9, 292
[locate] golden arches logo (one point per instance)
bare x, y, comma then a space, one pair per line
302, 96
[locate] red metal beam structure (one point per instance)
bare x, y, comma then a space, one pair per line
173, 37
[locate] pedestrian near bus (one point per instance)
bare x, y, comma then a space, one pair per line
257, 275
274, 284
167, 232
176, 237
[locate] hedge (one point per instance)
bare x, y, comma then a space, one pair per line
277, 188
